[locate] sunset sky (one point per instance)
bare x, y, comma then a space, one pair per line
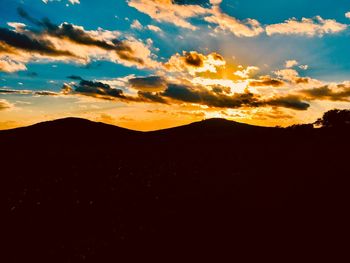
152, 64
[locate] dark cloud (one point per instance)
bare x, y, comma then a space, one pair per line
26, 16
34, 40
302, 80
192, 2
46, 93
151, 97
21, 41
79, 36
201, 95
266, 81
217, 96
128, 56
74, 77
7, 91
99, 90
74, 33
221, 89
194, 59
289, 101
93, 88
340, 92
151, 83
29, 92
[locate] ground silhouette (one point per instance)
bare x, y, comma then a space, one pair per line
80, 191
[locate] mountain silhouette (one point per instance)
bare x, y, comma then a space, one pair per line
81, 191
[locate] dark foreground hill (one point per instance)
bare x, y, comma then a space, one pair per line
79, 191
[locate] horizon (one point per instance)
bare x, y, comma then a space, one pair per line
101, 122
149, 65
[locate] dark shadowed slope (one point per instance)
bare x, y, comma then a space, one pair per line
68, 128
78, 191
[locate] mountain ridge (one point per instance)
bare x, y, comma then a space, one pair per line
73, 121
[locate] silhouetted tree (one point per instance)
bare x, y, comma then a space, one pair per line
335, 119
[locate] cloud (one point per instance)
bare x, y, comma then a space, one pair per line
66, 89
306, 26
148, 84
11, 40
291, 63
152, 97
247, 28
169, 11
347, 15
245, 73
304, 67
154, 28
5, 105
29, 92
266, 81
193, 62
292, 76
98, 89
202, 96
179, 12
74, 77
155, 89
273, 113
106, 118
8, 65
70, 1
68, 43
289, 101
331, 92
136, 25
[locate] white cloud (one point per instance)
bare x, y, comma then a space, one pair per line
136, 25
306, 26
246, 73
70, 1
215, 2
291, 63
8, 65
167, 11
154, 28
246, 28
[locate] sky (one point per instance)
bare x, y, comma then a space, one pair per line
154, 64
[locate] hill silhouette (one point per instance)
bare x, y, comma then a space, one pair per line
80, 191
